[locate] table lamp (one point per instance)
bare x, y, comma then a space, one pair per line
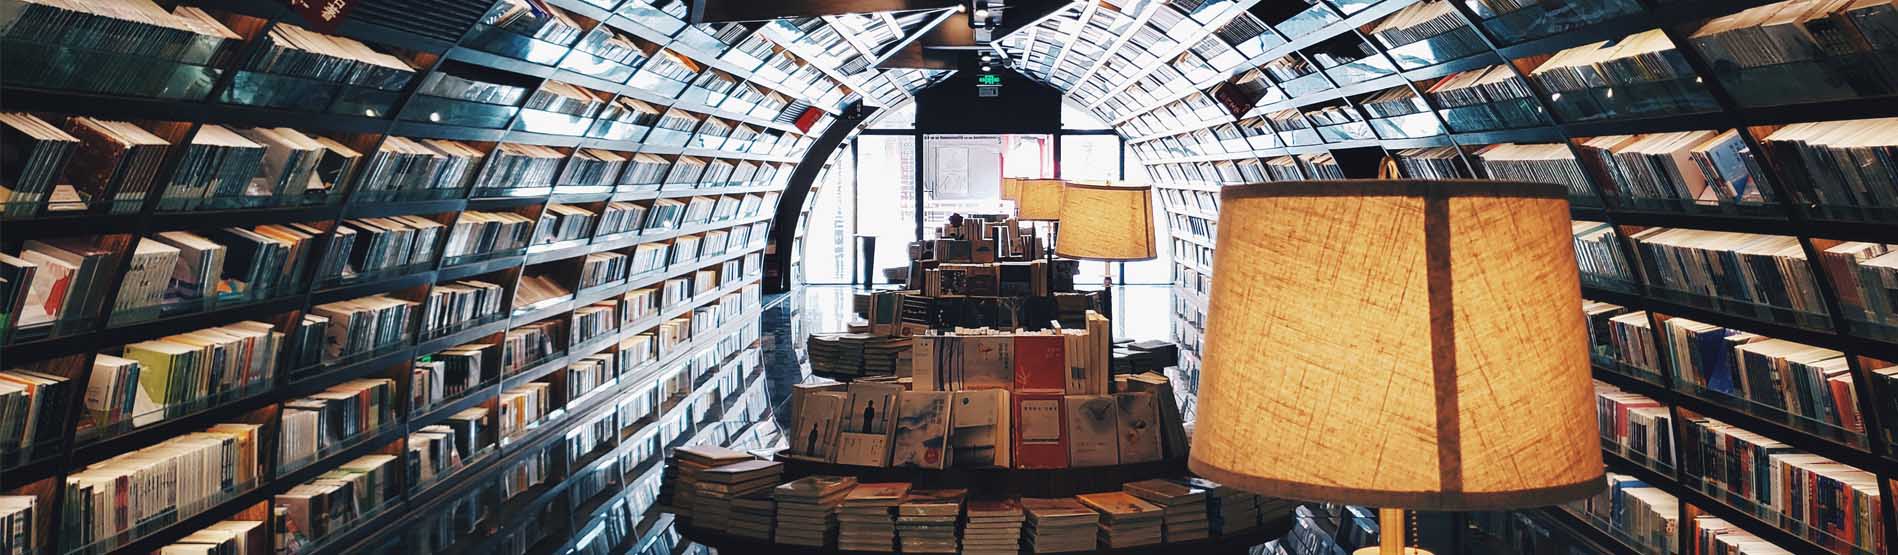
1039, 200
1011, 188
1397, 344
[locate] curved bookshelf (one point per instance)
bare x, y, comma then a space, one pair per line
745, 132
1332, 117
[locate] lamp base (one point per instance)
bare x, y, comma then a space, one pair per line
1375, 550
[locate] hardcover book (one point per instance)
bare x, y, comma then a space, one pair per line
871, 405
921, 438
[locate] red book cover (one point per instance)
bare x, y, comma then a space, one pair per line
807, 119
1040, 431
1846, 400
1041, 363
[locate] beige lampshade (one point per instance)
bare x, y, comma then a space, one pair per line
1106, 222
1011, 188
1397, 344
1039, 200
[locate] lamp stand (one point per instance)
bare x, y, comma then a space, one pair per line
1390, 534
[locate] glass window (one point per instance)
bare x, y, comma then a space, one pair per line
1073, 116
828, 247
1090, 157
886, 198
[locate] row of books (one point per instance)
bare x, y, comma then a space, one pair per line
1599, 253
364, 325
1701, 167
138, 492
292, 50
228, 537
1636, 510
1809, 382
405, 164
439, 450
335, 417
594, 320
480, 233
991, 279
1865, 277
139, 28
1635, 427
371, 245
336, 501
449, 374
32, 406
601, 268
1842, 163
1796, 31
529, 344
878, 423
519, 166
728, 491
1067, 361
522, 407
1768, 270
562, 222
151, 381
451, 305
1836, 506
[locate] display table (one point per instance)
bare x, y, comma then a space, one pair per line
1236, 544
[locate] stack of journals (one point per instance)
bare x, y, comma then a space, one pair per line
677, 488
927, 521
865, 522
1185, 516
1060, 525
993, 527
807, 509
1126, 521
719, 486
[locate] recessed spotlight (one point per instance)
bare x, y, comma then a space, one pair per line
982, 13
985, 67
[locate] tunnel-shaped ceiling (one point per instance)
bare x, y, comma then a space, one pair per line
1115, 58
849, 46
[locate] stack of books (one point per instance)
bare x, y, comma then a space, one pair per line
1126, 521
864, 520
1184, 505
751, 515
807, 509
677, 489
858, 354
1228, 510
993, 527
927, 521
1060, 525
719, 486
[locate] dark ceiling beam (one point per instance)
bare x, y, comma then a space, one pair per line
953, 33
918, 56
719, 11
913, 39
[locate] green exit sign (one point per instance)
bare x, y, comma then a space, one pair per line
988, 79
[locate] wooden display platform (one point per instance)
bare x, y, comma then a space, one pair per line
1237, 544
1010, 482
